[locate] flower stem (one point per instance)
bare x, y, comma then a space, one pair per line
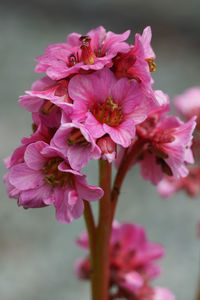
100, 276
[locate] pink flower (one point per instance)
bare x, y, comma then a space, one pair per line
138, 62
188, 103
45, 178
108, 148
92, 51
167, 145
109, 106
76, 144
132, 262
47, 98
190, 184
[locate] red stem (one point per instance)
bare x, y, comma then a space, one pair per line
100, 276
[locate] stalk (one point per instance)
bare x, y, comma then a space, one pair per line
100, 276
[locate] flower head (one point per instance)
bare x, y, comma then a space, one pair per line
45, 178
92, 51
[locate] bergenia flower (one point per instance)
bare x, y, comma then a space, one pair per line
92, 51
76, 144
190, 184
132, 263
167, 143
47, 98
45, 178
138, 63
109, 106
188, 103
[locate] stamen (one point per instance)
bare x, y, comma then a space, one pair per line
108, 112
47, 108
55, 177
76, 137
152, 64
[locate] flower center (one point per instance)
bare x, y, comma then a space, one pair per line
47, 108
55, 177
76, 138
108, 112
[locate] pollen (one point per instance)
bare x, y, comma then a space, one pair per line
55, 177
108, 112
152, 64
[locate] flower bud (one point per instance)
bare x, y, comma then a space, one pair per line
108, 148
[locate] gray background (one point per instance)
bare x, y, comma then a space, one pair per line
36, 252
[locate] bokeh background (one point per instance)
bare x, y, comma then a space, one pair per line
36, 252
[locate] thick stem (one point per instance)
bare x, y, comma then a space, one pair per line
100, 276
129, 158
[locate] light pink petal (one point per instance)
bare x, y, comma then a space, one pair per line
83, 241
88, 192
122, 134
68, 205
24, 178
166, 187
35, 197
132, 281
146, 41
42, 83
95, 128
73, 39
32, 104
11, 190
114, 43
33, 157
191, 96
150, 170
163, 294
78, 156
127, 94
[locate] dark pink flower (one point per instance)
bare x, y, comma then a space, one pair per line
132, 263
138, 63
45, 178
92, 51
76, 144
109, 106
167, 145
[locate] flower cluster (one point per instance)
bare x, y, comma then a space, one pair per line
132, 264
96, 95
188, 106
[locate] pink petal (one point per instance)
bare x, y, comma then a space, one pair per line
95, 128
122, 134
32, 104
88, 192
24, 178
35, 197
33, 156
150, 169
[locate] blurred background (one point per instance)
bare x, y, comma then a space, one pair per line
36, 252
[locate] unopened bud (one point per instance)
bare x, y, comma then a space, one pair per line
108, 148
